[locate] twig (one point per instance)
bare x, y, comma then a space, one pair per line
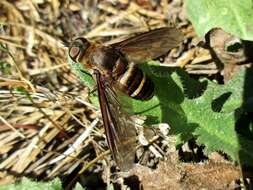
11, 127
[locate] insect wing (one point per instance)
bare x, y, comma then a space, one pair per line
119, 127
150, 45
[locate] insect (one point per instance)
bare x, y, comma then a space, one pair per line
115, 70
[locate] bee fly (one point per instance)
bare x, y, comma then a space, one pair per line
115, 69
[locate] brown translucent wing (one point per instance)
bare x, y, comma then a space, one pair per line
150, 45
119, 127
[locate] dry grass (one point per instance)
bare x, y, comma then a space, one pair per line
48, 127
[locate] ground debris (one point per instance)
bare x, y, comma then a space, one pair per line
171, 175
229, 52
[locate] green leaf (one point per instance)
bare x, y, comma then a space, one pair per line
204, 110
233, 16
172, 88
79, 187
82, 73
21, 90
190, 108
26, 184
110, 187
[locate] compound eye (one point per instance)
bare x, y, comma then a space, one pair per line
74, 51
78, 48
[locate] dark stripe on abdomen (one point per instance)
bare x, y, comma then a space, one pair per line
137, 85
146, 90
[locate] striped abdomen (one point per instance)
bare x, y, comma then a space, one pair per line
136, 84
114, 65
